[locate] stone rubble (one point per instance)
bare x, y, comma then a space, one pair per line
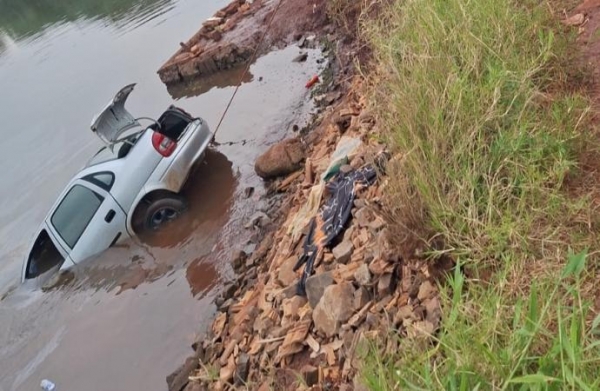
265, 335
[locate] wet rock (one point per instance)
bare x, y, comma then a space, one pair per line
335, 307
238, 259
179, 379
287, 275
301, 57
315, 287
282, 158
241, 370
426, 291
250, 248
259, 219
361, 298
343, 251
362, 275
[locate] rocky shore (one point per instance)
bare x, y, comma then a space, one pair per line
272, 332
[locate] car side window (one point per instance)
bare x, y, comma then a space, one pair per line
75, 212
104, 179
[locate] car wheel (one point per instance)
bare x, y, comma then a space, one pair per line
163, 211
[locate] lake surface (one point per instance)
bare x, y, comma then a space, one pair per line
130, 315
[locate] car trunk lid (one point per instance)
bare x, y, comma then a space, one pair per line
114, 119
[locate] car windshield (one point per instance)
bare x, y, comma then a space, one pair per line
117, 150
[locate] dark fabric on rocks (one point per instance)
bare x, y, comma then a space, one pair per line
332, 217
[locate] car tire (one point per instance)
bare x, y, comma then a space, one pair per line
163, 211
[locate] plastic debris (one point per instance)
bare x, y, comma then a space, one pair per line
314, 80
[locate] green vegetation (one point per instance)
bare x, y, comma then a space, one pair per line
485, 111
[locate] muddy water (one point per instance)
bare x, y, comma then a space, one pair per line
126, 319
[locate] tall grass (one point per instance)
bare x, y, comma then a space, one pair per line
476, 96
494, 341
471, 93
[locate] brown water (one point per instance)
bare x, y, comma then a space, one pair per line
128, 317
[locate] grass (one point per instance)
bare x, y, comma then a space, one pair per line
478, 99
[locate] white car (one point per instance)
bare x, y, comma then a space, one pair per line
130, 185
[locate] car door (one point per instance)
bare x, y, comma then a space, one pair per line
87, 220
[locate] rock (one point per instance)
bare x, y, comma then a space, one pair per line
248, 191
362, 275
386, 284
292, 305
249, 249
215, 35
363, 217
426, 291
434, 311
301, 57
310, 375
315, 286
287, 275
258, 219
377, 224
343, 251
282, 158
179, 379
335, 307
361, 298
238, 259
241, 370
404, 312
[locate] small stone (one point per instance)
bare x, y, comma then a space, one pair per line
250, 248
434, 311
287, 275
315, 287
238, 259
310, 375
361, 298
403, 312
259, 219
386, 284
301, 57
335, 307
292, 305
248, 191
377, 224
241, 370
426, 291
362, 275
215, 35
343, 251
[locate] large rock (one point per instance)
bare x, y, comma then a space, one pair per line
335, 307
315, 287
281, 159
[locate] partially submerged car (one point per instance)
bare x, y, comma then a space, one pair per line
129, 186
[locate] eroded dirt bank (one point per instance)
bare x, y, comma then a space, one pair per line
273, 329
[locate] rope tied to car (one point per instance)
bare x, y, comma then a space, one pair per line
246, 69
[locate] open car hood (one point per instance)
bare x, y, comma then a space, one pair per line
114, 119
